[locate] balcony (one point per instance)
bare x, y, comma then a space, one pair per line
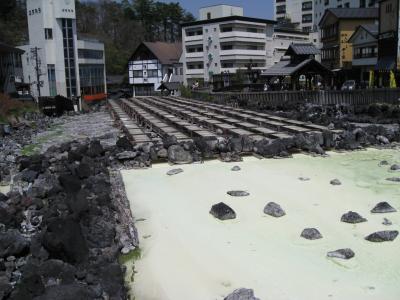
194, 71
245, 52
193, 38
194, 54
242, 34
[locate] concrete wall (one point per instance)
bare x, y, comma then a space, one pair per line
220, 11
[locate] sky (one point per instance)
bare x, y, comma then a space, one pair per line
252, 8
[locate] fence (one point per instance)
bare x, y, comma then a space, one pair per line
293, 98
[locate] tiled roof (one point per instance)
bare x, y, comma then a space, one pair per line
355, 13
287, 68
167, 53
302, 49
7, 49
371, 28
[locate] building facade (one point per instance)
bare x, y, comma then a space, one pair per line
337, 26
224, 44
365, 50
152, 64
10, 68
298, 12
56, 62
282, 39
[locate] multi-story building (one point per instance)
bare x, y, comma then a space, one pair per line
56, 62
282, 39
388, 40
223, 41
10, 68
298, 12
365, 50
337, 26
152, 64
320, 6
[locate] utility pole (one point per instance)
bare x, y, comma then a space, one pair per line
36, 58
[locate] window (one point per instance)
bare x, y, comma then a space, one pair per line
307, 18
208, 16
307, 28
48, 33
347, 5
138, 74
152, 73
215, 29
51, 75
69, 57
306, 6
206, 30
215, 47
216, 64
92, 79
281, 9
326, 2
362, 3
90, 54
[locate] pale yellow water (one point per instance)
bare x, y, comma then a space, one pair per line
188, 254
4, 189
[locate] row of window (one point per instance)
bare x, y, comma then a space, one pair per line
91, 78
227, 29
307, 18
330, 54
145, 73
365, 52
329, 31
363, 3
90, 54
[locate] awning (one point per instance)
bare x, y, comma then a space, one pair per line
386, 64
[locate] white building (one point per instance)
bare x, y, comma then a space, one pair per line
299, 12
62, 64
321, 5
223, 40
282, 39
152, 64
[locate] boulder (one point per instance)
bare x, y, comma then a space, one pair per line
95, 149
177, 155
274, 209
67, 292
126, 155
174, 172
353, 218
382, 236
395, 167
238, 193
162, 153
335, 182
170, 141
393, 179
384, 163
230, 157
342, 253
57, 269
124, 143
83, 170
311, 234
236, 168
29, 175
382, 139
70, 183
222, 211
3, 198
12, 243
383, 207
63, 239
268, 148
241, 294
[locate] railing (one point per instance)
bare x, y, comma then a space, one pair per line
284, 99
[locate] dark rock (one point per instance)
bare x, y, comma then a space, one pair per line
382, 236
383, 207
3, 198
126, 155
342, 253
174, 172
353, 218
268, 148
83, 170
274, 209
57, 269
311, 234
386, 222
162, 153
238, 193
241, 294
114, 288
63, 239
236, 168
95, 149
395, 167
29, 175
70, 183
78, 203
73, 291
335, 182
384, 163
222, 211
124, 143
304, 179
13, 243
5, 289
393, 179
382, 139
177, 155
100, 233
231, 157
170, 141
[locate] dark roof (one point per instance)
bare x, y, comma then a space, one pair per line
351, 13
167, 53
386, 64
287, 68
290, 30
302, 49
230, 18
170, 86
8, 49
372, 29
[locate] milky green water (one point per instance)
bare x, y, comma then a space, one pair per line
188, 254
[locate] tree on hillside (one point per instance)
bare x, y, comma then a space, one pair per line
13, 22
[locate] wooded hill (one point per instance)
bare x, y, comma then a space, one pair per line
121, 25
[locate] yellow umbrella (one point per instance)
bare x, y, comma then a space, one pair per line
371, 78
393, 84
